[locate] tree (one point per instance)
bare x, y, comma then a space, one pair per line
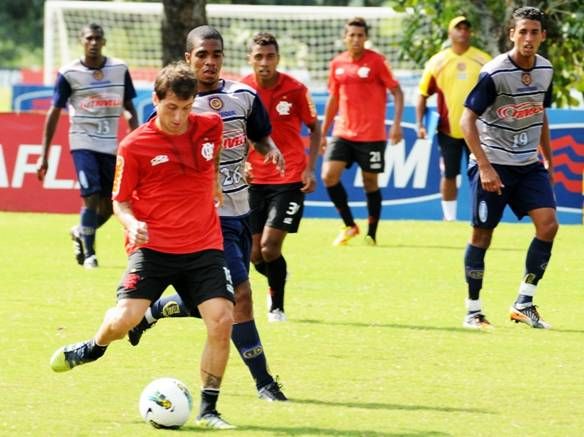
180, 16
425, 33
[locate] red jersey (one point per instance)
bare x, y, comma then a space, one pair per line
361, 85
289, 105
169, 182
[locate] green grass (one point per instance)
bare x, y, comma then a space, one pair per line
374, 346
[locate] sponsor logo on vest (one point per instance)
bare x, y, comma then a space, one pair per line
520, 111
236, 141
98, 101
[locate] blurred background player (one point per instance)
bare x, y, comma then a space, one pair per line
245, 118
276, 200
163, 195
451, 74
358, 82
96, 89
504, 124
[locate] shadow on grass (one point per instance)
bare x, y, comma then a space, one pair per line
389, 325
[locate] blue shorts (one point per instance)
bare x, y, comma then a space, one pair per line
525, 188
237, 247
95, 172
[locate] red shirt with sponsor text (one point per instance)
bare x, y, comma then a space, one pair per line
289, 105
169, 182
361, 85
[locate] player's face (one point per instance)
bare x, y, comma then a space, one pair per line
206, 59
173, 113
264, 61
460, 34
355, 38
92, 42
527, 36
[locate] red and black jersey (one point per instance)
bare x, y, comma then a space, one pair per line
169, 181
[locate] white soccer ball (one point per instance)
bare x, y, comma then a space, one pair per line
166, 403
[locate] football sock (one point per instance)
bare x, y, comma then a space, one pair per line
474, 269
473, 306
339, 198
87, 230
101, 219
449, 210
95, 351
374, 209
209, 398
247, 341
536, 261
169, 306
277, 270
261, 268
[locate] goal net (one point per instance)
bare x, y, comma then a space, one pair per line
309, 37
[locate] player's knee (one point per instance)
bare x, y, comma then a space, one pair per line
481, 237
329, 179
120, 321
219, 327
548, 230
271, 252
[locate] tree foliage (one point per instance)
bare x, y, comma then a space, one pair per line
21, 36
180, 16
425, 32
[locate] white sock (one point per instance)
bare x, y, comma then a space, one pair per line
149, 317
449, 210
473, 306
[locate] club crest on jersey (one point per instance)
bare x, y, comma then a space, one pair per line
215, 103
207, 151
526, 78
283, 107
363, 72
98, 74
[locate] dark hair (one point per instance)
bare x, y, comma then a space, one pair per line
527, 13
359, 22
177, 77
263, 39
202, 33
92, 27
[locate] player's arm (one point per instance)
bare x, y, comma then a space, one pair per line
133, 120
331, 109
395, 132
490, 180
308, 177
137, 230
545, 147
270, 152
51, 122
420, 113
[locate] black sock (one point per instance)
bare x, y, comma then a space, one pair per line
339, 198
276, 272
247, 341
209, 398
474, 269
374, 209
95, 351
538, 255
261, 268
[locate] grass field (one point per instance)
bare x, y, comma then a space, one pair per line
374, 345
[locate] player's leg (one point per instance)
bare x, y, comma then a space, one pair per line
451, 151
135, 293
337, 157
258, 217
535, 198
107, 168
245, 336
487, 210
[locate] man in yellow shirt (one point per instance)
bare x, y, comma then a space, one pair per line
451, 74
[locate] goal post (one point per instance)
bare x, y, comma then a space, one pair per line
309, 36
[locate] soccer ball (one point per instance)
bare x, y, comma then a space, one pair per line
166, 403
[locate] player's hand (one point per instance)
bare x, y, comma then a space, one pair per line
138, 233
422, 134
275, 157
308, 181
323, 143
218, 195
550, 170
395, 134
490, 180
41, 168
248, 172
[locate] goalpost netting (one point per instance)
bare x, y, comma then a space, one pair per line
308, 36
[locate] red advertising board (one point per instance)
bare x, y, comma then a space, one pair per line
20, 147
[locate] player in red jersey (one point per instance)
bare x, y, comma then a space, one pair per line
358, 82
166, 176
277, 200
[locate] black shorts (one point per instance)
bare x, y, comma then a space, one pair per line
278, 206
369, 155
196, 277
451, 151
